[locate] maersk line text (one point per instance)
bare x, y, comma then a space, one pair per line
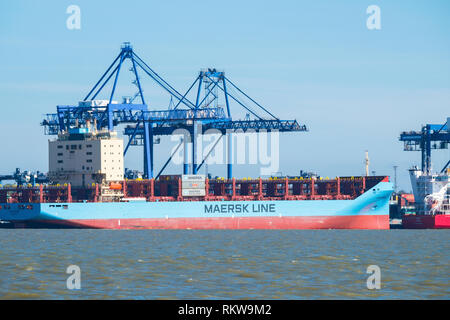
239, 208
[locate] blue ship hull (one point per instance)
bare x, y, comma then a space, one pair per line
368, 211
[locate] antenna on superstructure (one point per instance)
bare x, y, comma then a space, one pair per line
395, 179
367, 163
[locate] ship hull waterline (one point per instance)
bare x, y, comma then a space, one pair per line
282, 223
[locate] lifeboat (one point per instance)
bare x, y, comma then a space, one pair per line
115, 186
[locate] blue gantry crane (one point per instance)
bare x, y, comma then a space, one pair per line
211, 85
142, 124
431, 136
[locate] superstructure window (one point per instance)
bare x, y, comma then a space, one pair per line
89, 153
60, 154
89, 160
60, 161
89, 146
73, 147
60, 147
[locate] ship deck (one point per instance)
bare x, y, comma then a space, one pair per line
169, 188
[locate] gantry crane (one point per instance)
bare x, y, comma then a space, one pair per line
431, 136
144, 124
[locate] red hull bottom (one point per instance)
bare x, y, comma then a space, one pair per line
318, 222
426, 222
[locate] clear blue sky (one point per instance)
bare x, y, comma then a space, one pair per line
315, 61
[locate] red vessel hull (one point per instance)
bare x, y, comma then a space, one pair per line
317, 222
426, 222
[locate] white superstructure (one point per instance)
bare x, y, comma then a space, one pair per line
84, 156
431, 192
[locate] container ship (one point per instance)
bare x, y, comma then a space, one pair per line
91, 192
87, 187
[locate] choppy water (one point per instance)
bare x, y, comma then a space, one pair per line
238, 264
